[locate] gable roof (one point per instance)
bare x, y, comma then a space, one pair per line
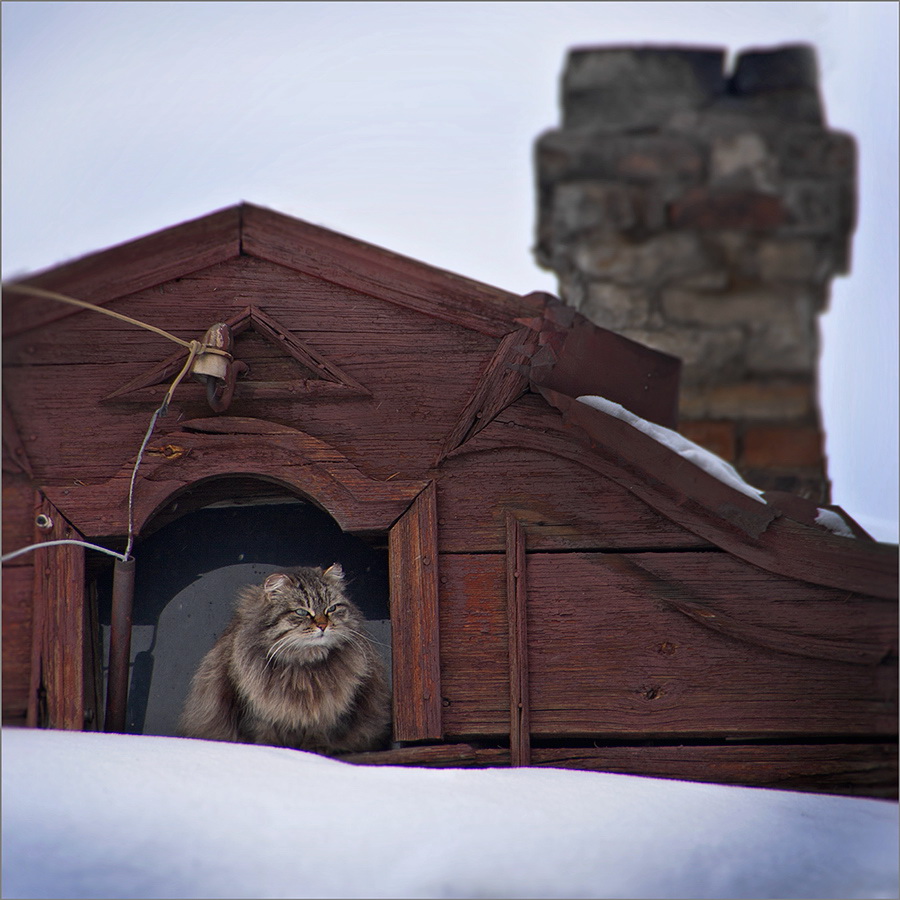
543, 346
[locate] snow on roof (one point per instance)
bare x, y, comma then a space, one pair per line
102, 815
834, 522
699, 456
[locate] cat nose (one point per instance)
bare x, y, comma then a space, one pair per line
320, 622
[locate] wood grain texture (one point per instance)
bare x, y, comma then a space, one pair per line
17, 639
517, 652
634, 665
855, 769
372, 270
413, 562
564, 504
238, 446
420, 372
57, 665
867, 770
124, 269
610, 656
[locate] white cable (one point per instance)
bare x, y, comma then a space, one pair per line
16, 553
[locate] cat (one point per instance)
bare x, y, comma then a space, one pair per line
293, 668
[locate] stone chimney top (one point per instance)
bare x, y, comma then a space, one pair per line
704, 213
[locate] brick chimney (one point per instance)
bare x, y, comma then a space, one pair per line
704, 214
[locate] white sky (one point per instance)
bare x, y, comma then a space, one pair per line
411, 126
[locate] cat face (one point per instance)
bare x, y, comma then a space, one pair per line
309, 614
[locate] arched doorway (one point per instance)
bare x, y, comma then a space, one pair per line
197, 553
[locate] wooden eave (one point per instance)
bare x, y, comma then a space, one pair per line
247, 230
768, 535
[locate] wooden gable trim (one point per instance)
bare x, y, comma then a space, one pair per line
415, 649
380, 273
126, 268
755, 532
332, 380
202, 449
503, 381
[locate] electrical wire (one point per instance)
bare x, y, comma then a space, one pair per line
193, 347
28, 549
63, 298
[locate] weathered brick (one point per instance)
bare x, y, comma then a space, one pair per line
786, 446
709, 209
615, 307
818, 208
743, 162
771, 401
808, 152
719, 437
647, 263
629, 87
582, 205
569, 155
793, 260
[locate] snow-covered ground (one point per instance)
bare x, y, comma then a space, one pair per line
94, 815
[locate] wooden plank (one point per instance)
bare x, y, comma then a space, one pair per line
631, 664
474, 645
635, 665
413, 561
124, 269
855, 769
517, 624
15, 458
17, 637
18, 516
57, 669
563, 504
380, 273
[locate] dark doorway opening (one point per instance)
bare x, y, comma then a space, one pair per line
187, 576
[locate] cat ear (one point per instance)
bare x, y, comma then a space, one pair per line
276, 582
335, 571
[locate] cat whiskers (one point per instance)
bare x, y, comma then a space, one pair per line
279, 647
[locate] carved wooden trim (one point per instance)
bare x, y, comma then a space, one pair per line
225, 446
504, 380
331, 380
414, 621
682, 492
516, 599
56, 696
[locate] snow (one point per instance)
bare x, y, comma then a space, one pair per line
834, 522
95, 815
699, 456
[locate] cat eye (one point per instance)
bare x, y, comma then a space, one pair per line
303, 612
332, 608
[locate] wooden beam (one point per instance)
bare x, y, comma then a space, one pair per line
56, 696
516, 598
415, 644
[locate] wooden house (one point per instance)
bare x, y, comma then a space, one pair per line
560, 588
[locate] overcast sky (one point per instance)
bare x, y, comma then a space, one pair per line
411, 126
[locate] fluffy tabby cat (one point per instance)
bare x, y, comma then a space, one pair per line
293, 669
